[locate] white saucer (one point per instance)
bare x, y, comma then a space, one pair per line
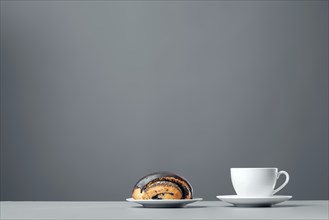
243, 201
168, 203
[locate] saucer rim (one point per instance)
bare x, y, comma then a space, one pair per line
259, 197
164, 200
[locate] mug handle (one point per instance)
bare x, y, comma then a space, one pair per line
285, 182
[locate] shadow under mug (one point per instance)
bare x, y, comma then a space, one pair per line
256, 182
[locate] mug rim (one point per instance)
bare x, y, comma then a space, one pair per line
253, 168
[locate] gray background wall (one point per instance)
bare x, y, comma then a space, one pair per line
95, 95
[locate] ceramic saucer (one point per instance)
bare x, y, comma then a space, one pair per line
168, 203
243, 201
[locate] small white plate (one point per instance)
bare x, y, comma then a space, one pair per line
168, 203
243, 201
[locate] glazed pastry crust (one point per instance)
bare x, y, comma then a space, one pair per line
167, 187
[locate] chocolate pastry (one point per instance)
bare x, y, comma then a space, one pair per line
162, 185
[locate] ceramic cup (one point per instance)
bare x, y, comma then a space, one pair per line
256, 182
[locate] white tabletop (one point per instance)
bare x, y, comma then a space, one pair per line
124, 210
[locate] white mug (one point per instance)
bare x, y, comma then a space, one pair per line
256, 182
